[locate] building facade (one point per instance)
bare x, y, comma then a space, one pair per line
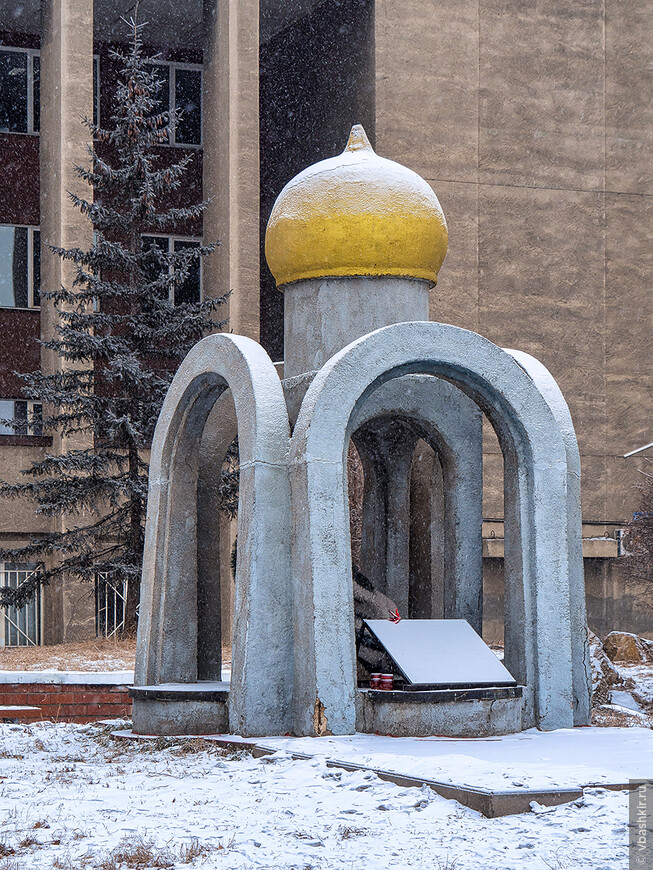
533, 124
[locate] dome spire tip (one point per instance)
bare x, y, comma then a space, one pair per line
358, 140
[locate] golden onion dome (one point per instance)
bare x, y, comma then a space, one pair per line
356, 214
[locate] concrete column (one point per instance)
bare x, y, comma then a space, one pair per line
373, 530
231, 158
426, 534
66, 97
398, 458
323, 315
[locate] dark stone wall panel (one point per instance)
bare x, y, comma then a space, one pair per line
19, 348
19, 179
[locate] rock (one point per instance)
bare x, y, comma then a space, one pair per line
624, 699
604, 673
621, 646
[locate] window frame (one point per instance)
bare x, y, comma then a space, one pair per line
31, 54
96, 90
171, 241
30, 269
173, 66
29, 420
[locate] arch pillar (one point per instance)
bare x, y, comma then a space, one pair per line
386, 448
260, 698
582, 673
536, 464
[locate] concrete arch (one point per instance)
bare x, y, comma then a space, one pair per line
538, 634
452, 424
582, 674
260, 694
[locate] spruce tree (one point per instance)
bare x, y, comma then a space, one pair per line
120, 338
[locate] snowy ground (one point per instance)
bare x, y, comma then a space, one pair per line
73, 798
529, 760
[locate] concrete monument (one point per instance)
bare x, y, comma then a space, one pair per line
355, 244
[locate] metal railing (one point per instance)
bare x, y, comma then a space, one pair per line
110, 601
19, 626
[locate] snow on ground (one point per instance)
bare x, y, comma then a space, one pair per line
75, 798
529, 760
639, 678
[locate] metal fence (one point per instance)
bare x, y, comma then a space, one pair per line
110, 600
19, 626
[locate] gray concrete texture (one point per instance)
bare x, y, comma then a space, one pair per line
260, 696
412, 718
384, 374
538, 644
322, 315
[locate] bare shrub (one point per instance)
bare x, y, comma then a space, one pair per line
346, 832
28, 841
187, 854
135, 852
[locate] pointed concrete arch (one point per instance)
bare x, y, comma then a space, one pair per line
582, 674
538, 634
260, 693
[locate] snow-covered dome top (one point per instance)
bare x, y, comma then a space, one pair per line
356, 214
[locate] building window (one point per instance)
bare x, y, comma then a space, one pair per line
181, 90
20, 91
20, 267
183, 292
21, 417
19, 626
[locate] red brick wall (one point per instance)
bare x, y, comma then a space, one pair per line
60, 702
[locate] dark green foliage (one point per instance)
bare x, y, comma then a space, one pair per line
119, 340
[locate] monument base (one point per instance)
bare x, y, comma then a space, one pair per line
173, 709
482, 712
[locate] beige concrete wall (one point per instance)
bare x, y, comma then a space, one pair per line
533, 124
66, 97
17, 518
231, 159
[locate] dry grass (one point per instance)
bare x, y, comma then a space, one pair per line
605, 717
28, 841
187, 854
178, 746
346, 832
91, 655
135, 852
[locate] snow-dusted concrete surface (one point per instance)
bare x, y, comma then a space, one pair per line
533, 759
78, 795
95, 678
